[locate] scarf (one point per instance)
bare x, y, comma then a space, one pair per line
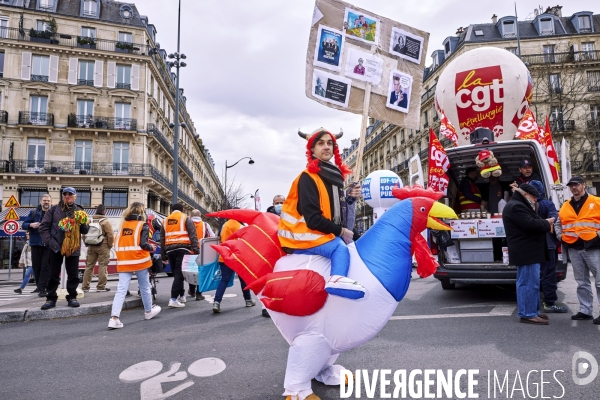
331, 175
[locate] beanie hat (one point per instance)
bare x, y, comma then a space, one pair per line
539, 187
527, 188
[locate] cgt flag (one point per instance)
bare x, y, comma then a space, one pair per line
528, 128
447, 129
437, 165
553, 162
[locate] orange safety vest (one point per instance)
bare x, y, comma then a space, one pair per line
584, 225
130, 256
293, 232
175, 232
466, 204
199, 230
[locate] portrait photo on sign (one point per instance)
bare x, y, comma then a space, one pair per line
364, 66
331, 88
399, 91
328, 49
360, 26
406, 45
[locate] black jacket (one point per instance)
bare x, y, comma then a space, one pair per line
525, 232
52, 235
534, 177
35, 215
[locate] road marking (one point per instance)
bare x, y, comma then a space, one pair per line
8, 295
210, 298
497, 311
206, 367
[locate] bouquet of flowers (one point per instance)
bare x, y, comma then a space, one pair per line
70, 226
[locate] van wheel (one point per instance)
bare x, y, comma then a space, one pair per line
447, 285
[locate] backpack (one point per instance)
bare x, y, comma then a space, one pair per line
94, 237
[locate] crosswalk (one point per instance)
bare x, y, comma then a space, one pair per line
8, 295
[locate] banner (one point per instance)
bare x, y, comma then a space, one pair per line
437, 165
257, 205
447, 129
350, 48
553, 162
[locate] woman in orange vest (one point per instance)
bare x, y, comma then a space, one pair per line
133, 255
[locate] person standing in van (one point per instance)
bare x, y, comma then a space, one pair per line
469, 196
99, 241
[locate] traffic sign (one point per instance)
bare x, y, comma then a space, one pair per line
12, 202
11, 215
11, 227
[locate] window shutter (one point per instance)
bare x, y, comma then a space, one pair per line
72, 79
53, 76
111, 73
575, 52
26, 66
98, 73
135, 77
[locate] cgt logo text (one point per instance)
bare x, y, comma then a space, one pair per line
464, 383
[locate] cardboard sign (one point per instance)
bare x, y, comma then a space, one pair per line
464, 229
491, 228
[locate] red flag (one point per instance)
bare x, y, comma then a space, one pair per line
437, 165
447, 129
553, 162
528, 128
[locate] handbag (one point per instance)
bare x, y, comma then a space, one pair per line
207, 277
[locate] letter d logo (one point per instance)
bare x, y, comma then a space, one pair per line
582, 367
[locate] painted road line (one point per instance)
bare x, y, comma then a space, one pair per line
498, 311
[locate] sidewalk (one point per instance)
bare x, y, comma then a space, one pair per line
26, 307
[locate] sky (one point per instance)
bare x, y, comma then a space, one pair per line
244, 81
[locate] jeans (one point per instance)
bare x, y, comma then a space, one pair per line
143, 278
548, 278
528, 290
336, 251
27, 276
226, 274
100, 254
72, 268
175, 261
584, 262
40, 261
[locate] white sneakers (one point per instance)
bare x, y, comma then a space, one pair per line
344, 287
114, 324
176, 304
153, 312
182, 299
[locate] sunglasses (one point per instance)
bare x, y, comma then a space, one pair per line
68, 194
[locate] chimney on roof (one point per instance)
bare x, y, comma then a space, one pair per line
494, 18
460, 30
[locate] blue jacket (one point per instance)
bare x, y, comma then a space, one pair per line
546, 209
35, 215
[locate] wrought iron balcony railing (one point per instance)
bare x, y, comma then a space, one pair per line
562, 125
35, 118
566, 57
123, 85
122, 124
153, 130
186, 169
87, 82
200, 188
90, 121
39, 78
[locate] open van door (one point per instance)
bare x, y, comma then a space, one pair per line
415, 171
565, 168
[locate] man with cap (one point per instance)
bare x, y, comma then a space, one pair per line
527, 174
578, 226
314, 215
526, 238
65, 245
469, 196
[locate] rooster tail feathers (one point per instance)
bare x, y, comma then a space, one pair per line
242, 215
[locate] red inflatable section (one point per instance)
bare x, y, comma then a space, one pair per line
298, 292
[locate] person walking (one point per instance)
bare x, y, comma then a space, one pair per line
227, 273
578, 227
203, 230
178, 238
525, 229
61, 231
133, 255
99, 241
25, 262
40, 253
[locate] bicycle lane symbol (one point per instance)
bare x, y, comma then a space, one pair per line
151, 383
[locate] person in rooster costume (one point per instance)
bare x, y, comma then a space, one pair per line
314, 215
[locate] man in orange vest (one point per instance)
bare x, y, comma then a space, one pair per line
203, 230
468, 192
178, 238
578, 226
314, 215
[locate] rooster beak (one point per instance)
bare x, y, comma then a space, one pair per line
437, 212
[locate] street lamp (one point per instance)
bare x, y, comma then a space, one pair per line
226, 202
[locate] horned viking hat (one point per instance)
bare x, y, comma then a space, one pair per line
313, 162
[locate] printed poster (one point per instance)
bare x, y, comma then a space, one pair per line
331, 88
360, 26
406, 45
399, 91
328, 49
364, 67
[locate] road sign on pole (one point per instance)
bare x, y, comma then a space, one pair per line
12, 202
11, 215
11, 227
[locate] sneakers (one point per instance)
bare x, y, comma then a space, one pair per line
344, 287
85, 290
216, 307
182, 299
265, 313
250, 303
535, 321
199, 296
128, 294
36, 290
153, 312
554, 308
103, 290
597, 320
581, 317
190, 293
175, 304
114, 324
72, 303
18, 291
42, 293
49, 304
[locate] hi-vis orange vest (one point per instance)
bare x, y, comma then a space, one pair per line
585, 225
293, 232
175, 232
199, 230
130, 256
466, 204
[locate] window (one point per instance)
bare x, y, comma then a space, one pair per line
585, 25
546, 26
593, 81
512, 50
90, 8
46, 5
554, 82
556, 113
38, 110
447, 47
1, 65
122, 116
478, 32
120, 158
123, 76
40, 68
508, 29
594, 112
125, 37
42, 25
85, 113
83, 156
3, 27
549, 53
587, 51
84, 197
88, 32
426, 118
115, 199
86, 73
36, 154
31, 197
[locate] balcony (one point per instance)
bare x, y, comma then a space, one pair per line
85, 82
428, 94
77, 168
35, 118
562, 125
152, 130
122, 124
565, 57
424, 154
201, 189
3, 117
39, 78
589, 166
123, 85
435, 118
186, 169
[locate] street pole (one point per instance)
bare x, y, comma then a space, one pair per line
176, 128
225, 188
10, 257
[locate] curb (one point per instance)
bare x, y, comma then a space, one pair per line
36, 314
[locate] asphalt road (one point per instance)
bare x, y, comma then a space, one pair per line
240, 355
